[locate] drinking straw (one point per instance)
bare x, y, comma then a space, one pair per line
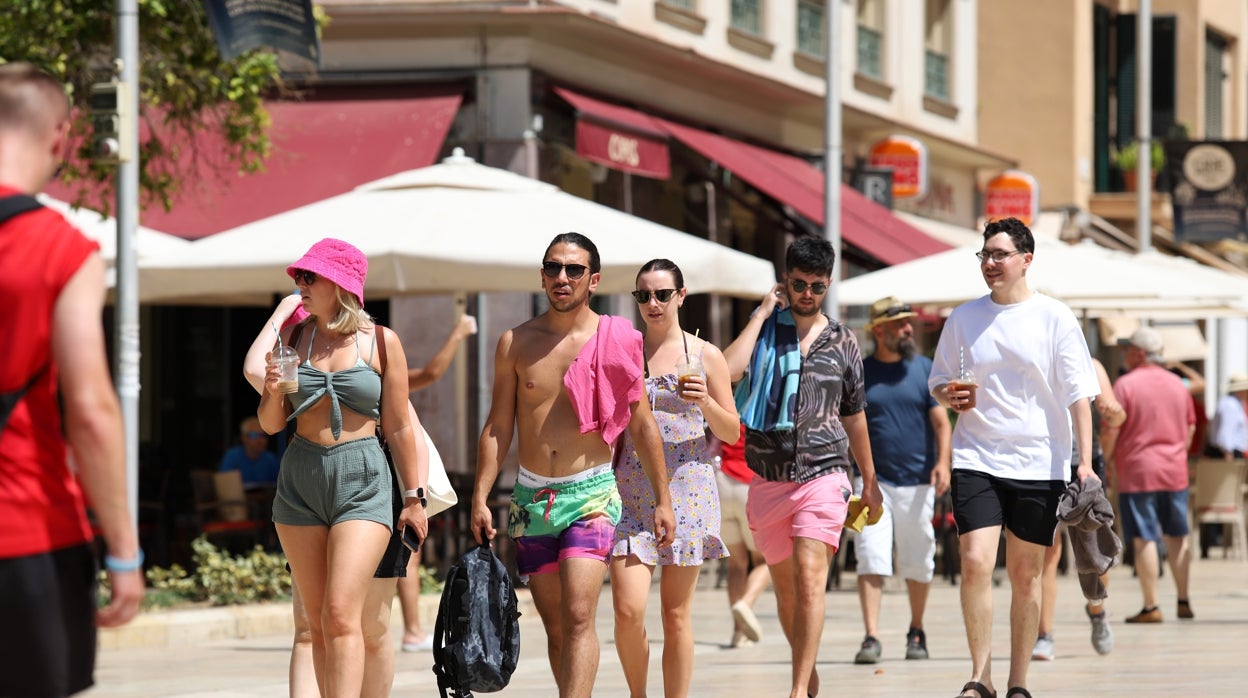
961, 363
695, 339
278, 332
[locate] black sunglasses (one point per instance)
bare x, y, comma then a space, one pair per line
663, 295
552, 269
818, 288
302, 276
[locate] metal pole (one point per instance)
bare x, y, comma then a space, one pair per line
1144, 123
832, 149
126, 317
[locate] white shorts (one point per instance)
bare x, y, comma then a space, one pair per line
734, 527
907, 522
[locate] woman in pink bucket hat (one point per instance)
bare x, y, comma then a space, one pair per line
334, 508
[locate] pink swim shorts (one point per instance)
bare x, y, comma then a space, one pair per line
780, 511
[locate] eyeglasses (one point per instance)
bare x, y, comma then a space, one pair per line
894, 311
997, 256
818, 288
255, 435
302, 276
663, 295
552, 269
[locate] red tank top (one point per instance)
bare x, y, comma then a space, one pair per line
732, 460
41, 504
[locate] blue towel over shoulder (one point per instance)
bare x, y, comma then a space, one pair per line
767, 397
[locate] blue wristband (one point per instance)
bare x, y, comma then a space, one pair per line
113, 564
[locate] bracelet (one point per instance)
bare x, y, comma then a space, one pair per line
113, 564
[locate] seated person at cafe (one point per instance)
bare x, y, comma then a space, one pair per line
252, 457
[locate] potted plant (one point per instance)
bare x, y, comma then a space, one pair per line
1127, 159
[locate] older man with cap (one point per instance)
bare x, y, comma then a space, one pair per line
910, 436
1149, 464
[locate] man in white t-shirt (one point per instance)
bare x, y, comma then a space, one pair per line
1032, 383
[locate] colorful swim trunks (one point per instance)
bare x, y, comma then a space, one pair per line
561, 520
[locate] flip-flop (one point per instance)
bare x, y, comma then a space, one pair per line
1018, 691
979, 688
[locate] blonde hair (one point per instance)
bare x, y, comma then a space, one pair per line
351, 318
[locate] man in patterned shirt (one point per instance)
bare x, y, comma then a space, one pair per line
802, 401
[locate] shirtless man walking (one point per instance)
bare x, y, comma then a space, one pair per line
569, 381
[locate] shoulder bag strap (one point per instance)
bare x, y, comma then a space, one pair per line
10, 206
17, 204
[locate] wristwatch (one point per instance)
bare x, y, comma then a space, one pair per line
420, 495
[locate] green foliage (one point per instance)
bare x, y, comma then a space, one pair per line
219, 579
429, 582
1128, 157
185, 89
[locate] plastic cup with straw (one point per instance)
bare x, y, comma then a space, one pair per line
690, 368
286, 360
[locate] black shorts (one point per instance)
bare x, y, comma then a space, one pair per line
47, 601
1027, 508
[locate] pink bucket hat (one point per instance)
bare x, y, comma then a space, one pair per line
338, 261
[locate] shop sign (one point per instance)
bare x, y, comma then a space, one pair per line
1012, 194
907, 157
242, 25
1209, 189
623, 150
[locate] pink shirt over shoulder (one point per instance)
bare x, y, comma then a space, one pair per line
1151, 453
604, 379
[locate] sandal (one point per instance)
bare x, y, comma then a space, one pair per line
1018, 691
980, 689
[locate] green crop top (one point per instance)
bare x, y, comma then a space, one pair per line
358, 387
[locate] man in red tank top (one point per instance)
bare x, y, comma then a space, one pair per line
52, 291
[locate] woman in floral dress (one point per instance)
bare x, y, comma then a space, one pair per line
683, 417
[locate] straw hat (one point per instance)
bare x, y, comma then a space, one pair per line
1237, 382
887, 310
1145, 338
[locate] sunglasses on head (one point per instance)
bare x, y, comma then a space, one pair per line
895, 310
302, 276
663, 295
552, 269
818, 288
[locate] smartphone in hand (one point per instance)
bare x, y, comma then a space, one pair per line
411, 539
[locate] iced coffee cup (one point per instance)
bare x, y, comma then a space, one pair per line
688, 368
286, 360
965, 382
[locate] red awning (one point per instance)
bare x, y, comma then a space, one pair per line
790, 180
321, 148
618, 137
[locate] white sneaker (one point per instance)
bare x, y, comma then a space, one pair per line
1102, 633
1043, 651
747, 621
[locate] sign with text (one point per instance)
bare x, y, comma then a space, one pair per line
1210, 189
1012, 194
907, 157
242, 25
875, 183
623, 149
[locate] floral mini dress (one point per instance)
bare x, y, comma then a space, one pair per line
691, 481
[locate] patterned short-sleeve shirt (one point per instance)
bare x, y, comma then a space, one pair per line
830, 387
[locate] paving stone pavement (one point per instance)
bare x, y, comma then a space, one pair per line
1204, 657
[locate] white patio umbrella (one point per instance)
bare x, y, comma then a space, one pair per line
456, 226
148, 243
1084, 276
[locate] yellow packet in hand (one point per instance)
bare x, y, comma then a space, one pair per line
860, 515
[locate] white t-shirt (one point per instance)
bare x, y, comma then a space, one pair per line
1031, 363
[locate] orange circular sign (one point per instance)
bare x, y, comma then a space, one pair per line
907, 157
1012, 194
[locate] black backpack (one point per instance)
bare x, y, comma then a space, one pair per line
476, 639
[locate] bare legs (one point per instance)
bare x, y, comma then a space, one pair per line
747, 577
409, 602
1024, 562
630, 588
333, 568
1147, 566
567, 602
378, 649
799, 582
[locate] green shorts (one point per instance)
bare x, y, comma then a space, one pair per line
553, 523
324, 485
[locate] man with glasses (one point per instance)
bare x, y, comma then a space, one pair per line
1033, 381
56, 403
252, 457
910, 446
802, 402
569, 382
